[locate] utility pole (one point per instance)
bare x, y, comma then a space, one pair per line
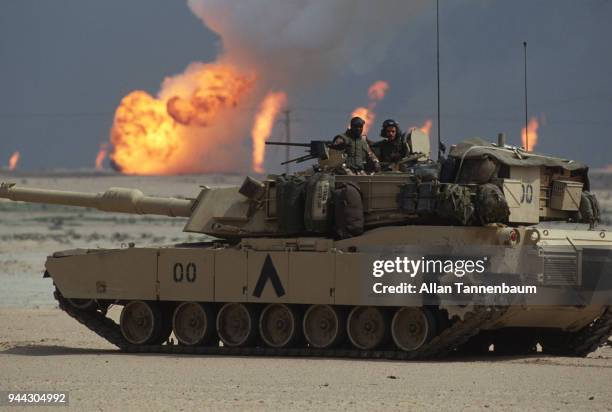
287, 137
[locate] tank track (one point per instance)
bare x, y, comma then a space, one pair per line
438, 347
591, 337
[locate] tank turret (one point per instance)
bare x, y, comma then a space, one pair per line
221, 212
479, 183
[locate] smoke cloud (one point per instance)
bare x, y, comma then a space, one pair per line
199, 122
323, 54
295, 43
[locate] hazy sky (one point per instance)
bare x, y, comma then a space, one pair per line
66, 64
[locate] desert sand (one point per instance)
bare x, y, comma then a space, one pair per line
41, 348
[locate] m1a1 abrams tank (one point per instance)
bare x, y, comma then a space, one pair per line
296, 266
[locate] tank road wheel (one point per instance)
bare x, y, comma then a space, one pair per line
412, 327
278, 325
323, 326
367, 327
192, 323
88, 305
237, 324
142, 323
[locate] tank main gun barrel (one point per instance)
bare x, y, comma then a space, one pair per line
115, 199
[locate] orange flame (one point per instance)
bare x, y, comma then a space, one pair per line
13, 160
532, 133
143, 135
426, 128
217, 87
169, 134
366, 114
101, 156
376, 92
264, 121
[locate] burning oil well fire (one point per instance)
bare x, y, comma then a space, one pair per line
529, 135
14, 161
215, 117
262, 127
426, 127
178, 130
376, 93
102, 153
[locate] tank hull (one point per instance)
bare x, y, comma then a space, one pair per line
294, 278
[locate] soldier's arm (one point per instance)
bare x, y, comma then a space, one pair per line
377, 149
369, 152
372, 157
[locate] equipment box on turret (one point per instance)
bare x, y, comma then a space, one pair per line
565, 195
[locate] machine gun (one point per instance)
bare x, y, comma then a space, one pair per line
317, 149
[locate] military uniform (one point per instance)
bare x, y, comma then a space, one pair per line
357, 151
391, 151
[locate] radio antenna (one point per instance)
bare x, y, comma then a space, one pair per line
438, 69
526, 110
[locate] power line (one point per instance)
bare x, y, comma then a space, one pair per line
345, 114
339, 113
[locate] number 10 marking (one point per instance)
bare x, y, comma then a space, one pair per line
527, 195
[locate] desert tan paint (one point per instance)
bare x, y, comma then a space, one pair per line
334, 275
106, 274
309, 269
525, 194
224, 212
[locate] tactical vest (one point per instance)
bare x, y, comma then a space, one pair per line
356, 151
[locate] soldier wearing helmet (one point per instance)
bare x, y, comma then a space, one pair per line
359, 155
393, 147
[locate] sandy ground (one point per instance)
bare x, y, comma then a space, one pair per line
42, 349
46, 350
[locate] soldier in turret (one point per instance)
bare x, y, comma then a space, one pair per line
359, 155
394, 146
